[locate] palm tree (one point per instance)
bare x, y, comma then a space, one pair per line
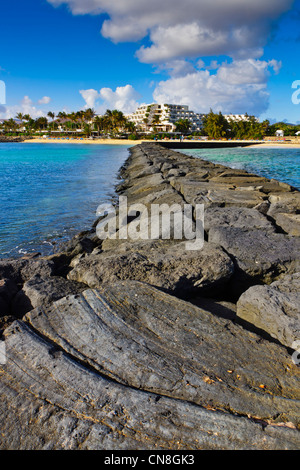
20, 116
116, 119
87, 129
89, 114
29, 122
155, 121
215, 125
120, 120
99, 123
81, 116
109, 118
10, 125
61, 115
183, 125
73, 119
41, 123
130, 127
51, 115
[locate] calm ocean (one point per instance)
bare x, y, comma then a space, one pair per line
281, 164
49, 192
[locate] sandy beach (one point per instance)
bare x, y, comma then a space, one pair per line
286, 145
83, 141
266, 144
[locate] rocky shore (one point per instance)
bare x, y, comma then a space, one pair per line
4, 139
122, 344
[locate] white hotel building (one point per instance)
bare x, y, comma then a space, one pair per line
163, 117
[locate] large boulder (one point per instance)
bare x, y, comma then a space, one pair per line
238, 217
40, 291
290, 223
173, 348
170, 267
274, 308
260, 256
22, 269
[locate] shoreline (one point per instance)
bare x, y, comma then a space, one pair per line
250, 144
84, 141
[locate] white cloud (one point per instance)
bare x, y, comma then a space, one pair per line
177, 68
177, 31
186, 28
238, 87
124, 98
26, 106
90, 96
44, 100
243, 72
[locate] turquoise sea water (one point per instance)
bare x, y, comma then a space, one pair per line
281, 164
49, 192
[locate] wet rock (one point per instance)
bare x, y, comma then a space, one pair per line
274, 308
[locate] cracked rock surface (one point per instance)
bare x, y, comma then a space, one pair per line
113, 369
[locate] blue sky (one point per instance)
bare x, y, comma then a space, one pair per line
231, 55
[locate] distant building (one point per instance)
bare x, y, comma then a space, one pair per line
238, 117
163, 117
279, 133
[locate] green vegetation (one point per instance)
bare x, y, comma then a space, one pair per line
288, 129
113, 123
216, 126
84, 123
183, 125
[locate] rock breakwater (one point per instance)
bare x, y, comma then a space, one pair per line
12, 139
142, 344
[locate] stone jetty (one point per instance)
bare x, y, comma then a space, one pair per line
122, 344
12, 139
